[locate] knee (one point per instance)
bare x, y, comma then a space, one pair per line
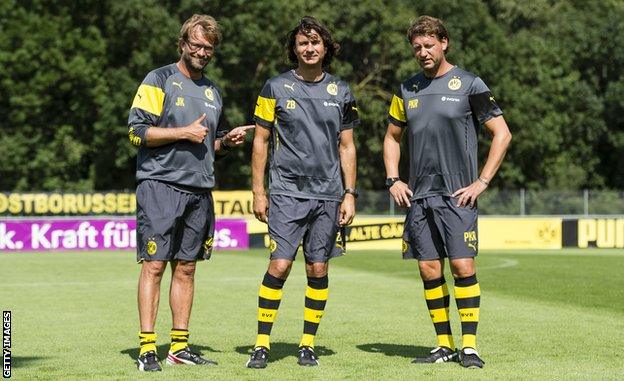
280, 269
153, 269
462, 272
316, 270
185, 269
428, 271
462, 268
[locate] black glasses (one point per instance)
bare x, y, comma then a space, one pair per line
197, 47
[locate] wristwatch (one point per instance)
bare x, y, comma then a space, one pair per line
352, 191
391, 180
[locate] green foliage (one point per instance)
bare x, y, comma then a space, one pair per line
70, 70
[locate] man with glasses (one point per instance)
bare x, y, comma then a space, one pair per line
177, 121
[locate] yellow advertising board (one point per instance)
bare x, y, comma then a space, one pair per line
519, 233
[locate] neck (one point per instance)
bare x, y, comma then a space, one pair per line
310, 73
439, 71
188, 72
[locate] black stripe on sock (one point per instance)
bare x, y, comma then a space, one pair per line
434, 304
469, 327
468, 302
318, 283
268, 303
309, 327
175, 340
467, 281
147, 342
443, 328
314, 304
430, 284
146, 333
264, 328
273, 282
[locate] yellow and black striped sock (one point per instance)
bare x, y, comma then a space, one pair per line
468, 298
179, 339
269, 298
315, 300
147, 342
437, 298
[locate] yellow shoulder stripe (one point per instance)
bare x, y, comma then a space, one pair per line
265, 109
149, 98
397, 109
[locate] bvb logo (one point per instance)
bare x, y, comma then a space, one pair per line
272, 245
332, 88
454, 83
151, 247
404, 247
208, 245
209, 94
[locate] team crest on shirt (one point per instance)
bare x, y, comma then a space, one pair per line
454, 83
413, 103
209, 94
208, 245
332, 89
151, 246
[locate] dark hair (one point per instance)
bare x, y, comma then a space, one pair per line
210, 29
307, 24
428, 26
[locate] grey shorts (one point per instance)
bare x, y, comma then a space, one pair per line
173, 224
292, 220
436, 228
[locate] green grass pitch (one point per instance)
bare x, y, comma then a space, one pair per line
545, 315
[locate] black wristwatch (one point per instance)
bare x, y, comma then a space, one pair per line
352, 191
391, 180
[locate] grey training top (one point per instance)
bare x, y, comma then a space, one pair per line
306, 119
167, 98
442, 115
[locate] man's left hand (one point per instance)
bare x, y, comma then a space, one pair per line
347, 210
236, 136
468, 195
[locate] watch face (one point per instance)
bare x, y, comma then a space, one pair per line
391, 181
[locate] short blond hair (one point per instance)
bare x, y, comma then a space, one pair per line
209, 26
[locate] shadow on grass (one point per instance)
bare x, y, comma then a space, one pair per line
25, 361
407, 351
282, 350
162, 350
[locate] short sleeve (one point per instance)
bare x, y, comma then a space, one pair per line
482, 102
396, 114
350, 116
264, 113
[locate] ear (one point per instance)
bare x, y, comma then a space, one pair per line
444, 42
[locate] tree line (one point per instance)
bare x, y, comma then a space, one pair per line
70, 70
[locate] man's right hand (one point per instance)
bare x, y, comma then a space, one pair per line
196, 132
401, 194
261, 207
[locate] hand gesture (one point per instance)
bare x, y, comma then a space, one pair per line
468, 195
196, 132
401, 194
236, 136
347, 210
261, 207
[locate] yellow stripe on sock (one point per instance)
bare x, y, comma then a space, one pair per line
467, 292
317, 294
446, 341
469, 314
439, 315
469, 341
307, 340
270, 293
436, 293
262, 341
313, 316
266, 315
